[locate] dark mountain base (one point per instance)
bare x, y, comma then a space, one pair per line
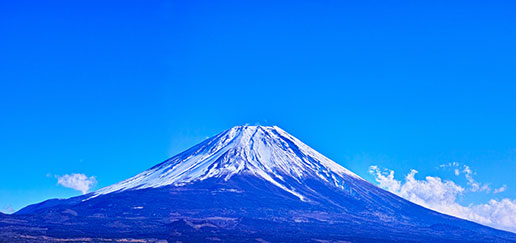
247, 230
243, 209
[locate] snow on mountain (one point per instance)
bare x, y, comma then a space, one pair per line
266, 152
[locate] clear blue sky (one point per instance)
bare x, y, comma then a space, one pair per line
110, 88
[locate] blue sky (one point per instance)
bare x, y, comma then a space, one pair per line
108, 89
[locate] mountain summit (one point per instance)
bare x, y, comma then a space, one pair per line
268, 153
248, 183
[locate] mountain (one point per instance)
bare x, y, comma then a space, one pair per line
249, 183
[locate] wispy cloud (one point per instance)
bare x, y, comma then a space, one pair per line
468, 173
77, 181
441, 195
501, 189
7, 209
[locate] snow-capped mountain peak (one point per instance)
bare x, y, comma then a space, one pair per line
267, 152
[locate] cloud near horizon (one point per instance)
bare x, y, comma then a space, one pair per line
7, 209
441, 195
77, 181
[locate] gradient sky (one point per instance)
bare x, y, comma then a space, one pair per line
110, 88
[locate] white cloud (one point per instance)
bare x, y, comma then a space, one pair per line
501, 189
76, 181
441, 195
457, 172
431, 191
474, 186
386, 181
451, 164
7, 209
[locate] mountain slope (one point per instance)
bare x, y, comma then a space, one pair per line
249, 183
